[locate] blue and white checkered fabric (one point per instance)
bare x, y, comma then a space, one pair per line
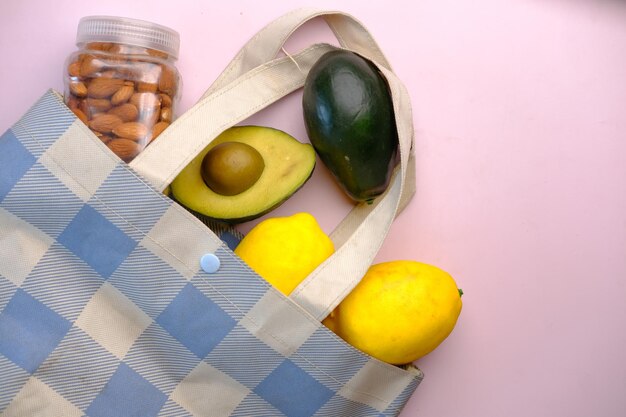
104, 310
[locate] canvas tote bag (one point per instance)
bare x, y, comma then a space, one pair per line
104, 307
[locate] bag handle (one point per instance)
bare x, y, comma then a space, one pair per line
243, 91
267, 43
360, 235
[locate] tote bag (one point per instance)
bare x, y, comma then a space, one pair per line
104, 307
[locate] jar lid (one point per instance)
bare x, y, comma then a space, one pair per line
128, 31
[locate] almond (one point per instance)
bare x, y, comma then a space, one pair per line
159, 54
104, 87
108, 74
143, 87
147, 101
74, 69
72, 102
84, 107
104, 138
90, 65
149, 72
167, 80
96, 105
137, 70
126, 149
122, 95
121, 49
105, 123
78, 89
127, 112
131, 130
128, 71
166, 114
149, 117
166, 101
158, 129
99, 46
81, 116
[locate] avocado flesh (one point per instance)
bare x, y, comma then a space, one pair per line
288, 165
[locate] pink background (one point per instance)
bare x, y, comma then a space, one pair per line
520, 117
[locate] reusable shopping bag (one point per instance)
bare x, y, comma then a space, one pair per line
104, 307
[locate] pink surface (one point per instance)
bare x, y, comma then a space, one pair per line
520, 120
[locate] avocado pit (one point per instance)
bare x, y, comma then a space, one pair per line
280, 153
231, 168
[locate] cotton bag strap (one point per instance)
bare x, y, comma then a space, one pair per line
267, 43
242, 90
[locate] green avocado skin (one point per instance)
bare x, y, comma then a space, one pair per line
348, 115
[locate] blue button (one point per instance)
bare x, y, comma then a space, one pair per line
210, 263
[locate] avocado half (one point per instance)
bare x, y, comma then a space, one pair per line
288, 166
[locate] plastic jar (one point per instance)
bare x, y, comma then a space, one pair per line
122, 81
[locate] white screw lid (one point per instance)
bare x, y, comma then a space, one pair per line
128, 31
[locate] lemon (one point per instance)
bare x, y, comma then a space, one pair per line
399, 312
284, 250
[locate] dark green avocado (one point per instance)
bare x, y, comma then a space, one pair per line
349, 118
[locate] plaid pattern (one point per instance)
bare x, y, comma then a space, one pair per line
104, 310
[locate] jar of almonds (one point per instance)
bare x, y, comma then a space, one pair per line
122, 81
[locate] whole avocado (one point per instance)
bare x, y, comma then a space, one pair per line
348, 115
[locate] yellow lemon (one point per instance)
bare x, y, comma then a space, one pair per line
284, 250
399, 312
